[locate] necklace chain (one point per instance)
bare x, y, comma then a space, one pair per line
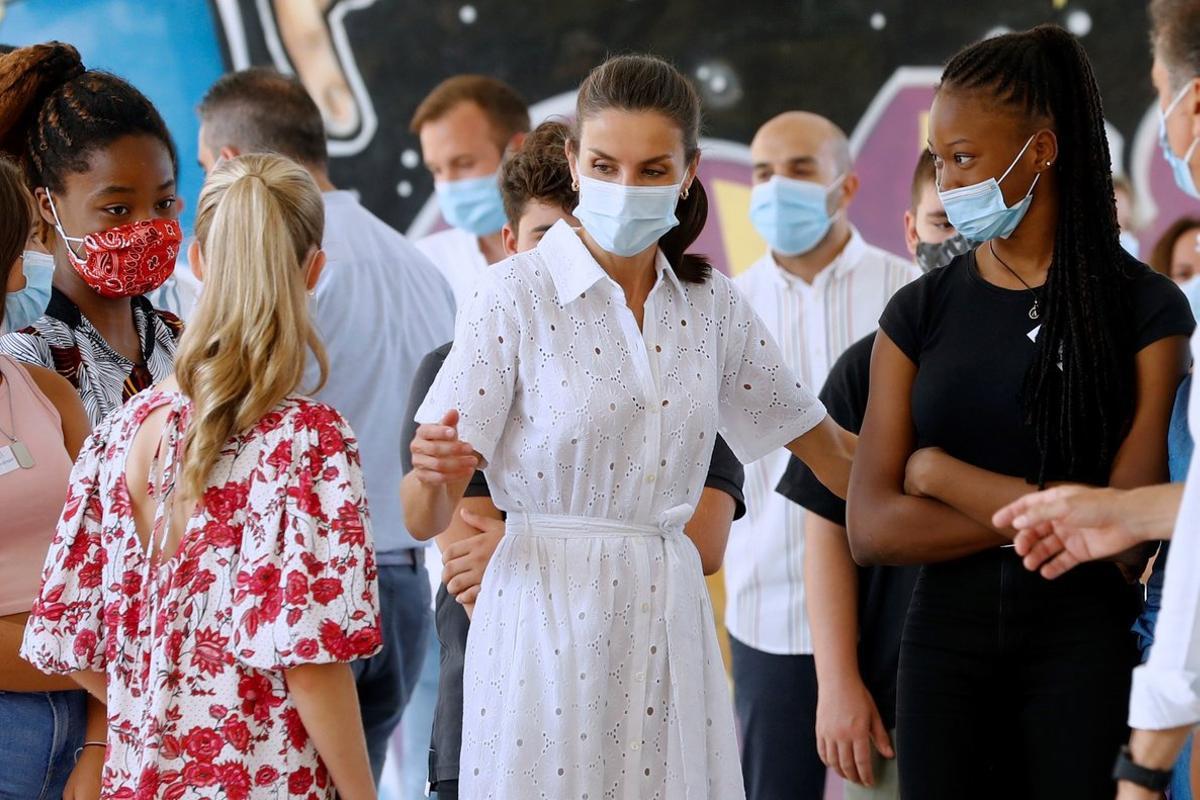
1034, 312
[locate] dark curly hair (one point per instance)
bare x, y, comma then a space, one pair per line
54, 113
1079, 412
538, 171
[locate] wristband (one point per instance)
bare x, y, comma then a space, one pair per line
1126, 769
79, 750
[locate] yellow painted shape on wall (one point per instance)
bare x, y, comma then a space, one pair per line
743, 245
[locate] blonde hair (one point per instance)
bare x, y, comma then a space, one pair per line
259, 220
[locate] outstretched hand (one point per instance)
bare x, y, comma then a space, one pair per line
1059, 528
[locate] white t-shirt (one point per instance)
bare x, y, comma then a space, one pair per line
457, 256
813, 324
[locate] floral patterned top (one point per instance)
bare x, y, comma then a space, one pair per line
275, 569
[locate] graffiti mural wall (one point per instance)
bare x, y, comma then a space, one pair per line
869, 65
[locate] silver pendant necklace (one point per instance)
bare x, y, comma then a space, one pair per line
18, 449
1034, 312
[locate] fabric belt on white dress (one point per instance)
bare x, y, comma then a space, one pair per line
573, 526
685, 652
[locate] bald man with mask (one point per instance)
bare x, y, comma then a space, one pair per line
819, 288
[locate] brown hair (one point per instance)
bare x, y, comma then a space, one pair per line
647, 83
503, 105
54, 113
923, 175
538, 171
1164, 248
1175, 35
16, 216
260, 110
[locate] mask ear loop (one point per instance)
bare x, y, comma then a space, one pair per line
1036, 177
58, 227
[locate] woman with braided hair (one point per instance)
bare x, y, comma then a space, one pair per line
1046, 354
102, 166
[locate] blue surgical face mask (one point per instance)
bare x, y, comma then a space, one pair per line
792, 215
1181, 167
472, 204
23, 308
978, 211
625, 220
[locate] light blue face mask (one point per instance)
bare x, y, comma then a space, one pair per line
472, 204
23, 308
1181, 168
978, 211
625, 220
792, 215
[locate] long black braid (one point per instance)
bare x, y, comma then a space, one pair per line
1079, 412
54, 113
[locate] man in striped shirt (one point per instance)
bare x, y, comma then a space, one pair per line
819, 288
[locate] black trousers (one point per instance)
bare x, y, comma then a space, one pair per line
1012, 686
776, 702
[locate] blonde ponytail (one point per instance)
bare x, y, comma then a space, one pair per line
259, 220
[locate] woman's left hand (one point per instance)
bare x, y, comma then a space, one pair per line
920, 466
85, 780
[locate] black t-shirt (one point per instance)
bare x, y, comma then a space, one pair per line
883, 592
973, 343
725, 473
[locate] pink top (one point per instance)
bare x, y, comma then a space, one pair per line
274, 569
32, 499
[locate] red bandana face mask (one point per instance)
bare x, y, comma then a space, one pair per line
125, 261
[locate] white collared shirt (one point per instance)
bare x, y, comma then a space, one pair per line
1166, 690
457, 256
380, 307
579, 412
813, 324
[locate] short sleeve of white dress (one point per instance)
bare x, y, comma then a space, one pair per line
479, 375
763, 405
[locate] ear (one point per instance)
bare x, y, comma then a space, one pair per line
509, 239
195, 260
514, 144
42, 198
572, 162
316, 264
1195, 108
692, 171
1044, 149
910, 232
850, 186
227, 152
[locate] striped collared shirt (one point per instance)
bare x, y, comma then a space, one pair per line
813, 324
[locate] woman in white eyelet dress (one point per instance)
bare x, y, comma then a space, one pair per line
592, 666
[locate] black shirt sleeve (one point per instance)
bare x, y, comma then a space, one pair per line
845, 398
427, 370
907, 315
726, 474
1160, 308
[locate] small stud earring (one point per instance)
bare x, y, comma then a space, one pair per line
1049, 163
574, 186
684, 194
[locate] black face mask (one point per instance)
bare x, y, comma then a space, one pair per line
932, 256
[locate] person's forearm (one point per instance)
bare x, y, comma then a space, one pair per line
709, 527
896, 529
828, 450
429, 508
327, 701
97, 721
96, 684
1158, 749
1150, 512
17, 674
975, 492
831, 585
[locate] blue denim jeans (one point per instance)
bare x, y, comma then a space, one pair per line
386, 680
39, 733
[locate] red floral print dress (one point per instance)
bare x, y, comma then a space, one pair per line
275, 569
